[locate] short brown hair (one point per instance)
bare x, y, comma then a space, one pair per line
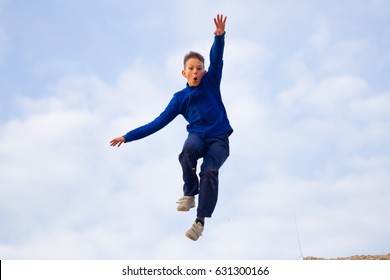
192, 54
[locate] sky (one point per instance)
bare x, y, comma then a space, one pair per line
307, 91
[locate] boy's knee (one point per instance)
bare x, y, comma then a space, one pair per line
209, 173
185, 154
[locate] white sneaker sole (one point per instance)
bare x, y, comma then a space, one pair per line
193, 238
184, 209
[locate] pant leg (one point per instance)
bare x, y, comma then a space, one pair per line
193, 149
216, 154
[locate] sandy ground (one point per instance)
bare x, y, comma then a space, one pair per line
359, 257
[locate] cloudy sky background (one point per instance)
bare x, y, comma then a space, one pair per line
307, 89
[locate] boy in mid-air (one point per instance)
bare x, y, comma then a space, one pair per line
208, 129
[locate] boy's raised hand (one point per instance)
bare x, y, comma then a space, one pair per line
220, 21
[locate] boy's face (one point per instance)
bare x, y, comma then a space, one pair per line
193, 71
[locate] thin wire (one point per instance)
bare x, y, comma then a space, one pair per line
299, 241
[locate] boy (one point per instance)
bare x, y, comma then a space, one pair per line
208, 129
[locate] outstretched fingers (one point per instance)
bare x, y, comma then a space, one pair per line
220, 22
117, 141
220, 19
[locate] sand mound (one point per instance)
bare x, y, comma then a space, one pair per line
360, 257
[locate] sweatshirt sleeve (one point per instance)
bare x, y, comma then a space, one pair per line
216, 57
170, 112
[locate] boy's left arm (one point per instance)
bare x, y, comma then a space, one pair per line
216, 52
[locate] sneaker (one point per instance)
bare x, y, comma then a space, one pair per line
186, 203
195, 231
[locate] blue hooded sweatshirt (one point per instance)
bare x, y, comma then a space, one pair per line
201, 106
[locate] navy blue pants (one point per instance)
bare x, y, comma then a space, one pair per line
214, 152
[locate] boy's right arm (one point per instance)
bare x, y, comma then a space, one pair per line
170, 112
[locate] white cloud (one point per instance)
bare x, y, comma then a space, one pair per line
329, 96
